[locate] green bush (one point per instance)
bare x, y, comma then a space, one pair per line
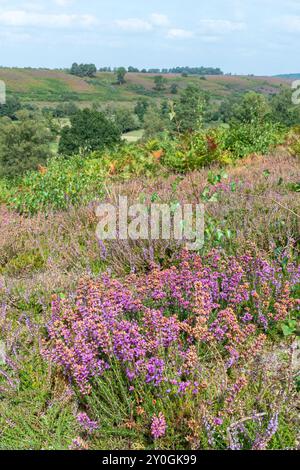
24, 144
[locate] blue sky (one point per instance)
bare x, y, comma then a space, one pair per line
240, 36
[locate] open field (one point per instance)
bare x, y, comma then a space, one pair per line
46, 87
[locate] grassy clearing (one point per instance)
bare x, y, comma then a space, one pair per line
133, 136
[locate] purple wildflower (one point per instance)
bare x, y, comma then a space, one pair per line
158, 426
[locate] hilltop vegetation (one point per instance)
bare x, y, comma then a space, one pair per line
50, 86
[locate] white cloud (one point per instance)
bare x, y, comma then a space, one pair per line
19, 18
220, 26
177, 33
288, 23
63, 3
134, 25
159, 20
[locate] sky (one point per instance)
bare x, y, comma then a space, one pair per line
240, 36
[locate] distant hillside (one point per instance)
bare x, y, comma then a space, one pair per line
289, 76
46, 87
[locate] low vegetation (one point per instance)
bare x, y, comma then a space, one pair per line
143, 344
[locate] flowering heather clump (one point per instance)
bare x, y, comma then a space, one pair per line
158, 426
163, 328
86, 423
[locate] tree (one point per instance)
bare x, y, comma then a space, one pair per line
10, 108
120, 74
133, 69
160, 83
24, 144
83, 70
190, 109
283, 110
174, 89
90, 130
154, 122
252, 108
125, 120
141, 108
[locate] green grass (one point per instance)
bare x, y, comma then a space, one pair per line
133, 136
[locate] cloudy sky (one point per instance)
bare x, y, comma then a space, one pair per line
240, 36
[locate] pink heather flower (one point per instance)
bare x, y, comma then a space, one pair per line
86, 423
78, 444
158, 426
218, 421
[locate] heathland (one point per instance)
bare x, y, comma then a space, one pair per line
142, 344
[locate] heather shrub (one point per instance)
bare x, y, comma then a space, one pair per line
180, 357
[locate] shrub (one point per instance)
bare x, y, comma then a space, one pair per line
174, 355
24, 144
90, 130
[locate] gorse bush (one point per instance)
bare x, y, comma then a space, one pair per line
174, 355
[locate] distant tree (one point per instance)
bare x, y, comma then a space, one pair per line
141, 108
24, 144
252, 107
83, 70
160, 83
125, 120
90, 130
133, 69
174, 89
283, 110
154, 122
10, 108
226, 109
120, 74
62, 110
165, 108
190, 109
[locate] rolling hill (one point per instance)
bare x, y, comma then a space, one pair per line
46, 87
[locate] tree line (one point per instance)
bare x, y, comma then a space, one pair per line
89, 70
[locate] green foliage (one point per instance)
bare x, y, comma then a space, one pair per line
141, 108
23, 263
159, 83
174, 89
90, 130
24, 144
66, 182
11, 107
283, 109
79, 179
83, 70
245, 139
190, 109
124, 119
120, 74
252, 108
154, 122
